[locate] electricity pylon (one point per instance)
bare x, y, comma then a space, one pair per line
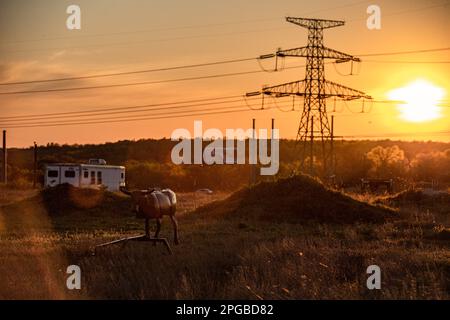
314, 88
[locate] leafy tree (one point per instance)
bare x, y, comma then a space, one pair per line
431, 165
387, 162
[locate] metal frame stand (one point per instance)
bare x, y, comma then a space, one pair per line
146, 237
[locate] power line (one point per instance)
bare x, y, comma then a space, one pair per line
402, 52
210, 35
177, 114
134, 109
143, 31
399, 134
108, 108
131, 72
162, 106
353, 4
177, 68
151, 112
121, 119
446, 3
217, 35
140, 83
183, 27
221, 75
407, 62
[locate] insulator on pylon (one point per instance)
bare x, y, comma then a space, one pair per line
252, 94
342, 60
266, 56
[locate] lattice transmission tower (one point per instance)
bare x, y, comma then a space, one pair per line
315, 89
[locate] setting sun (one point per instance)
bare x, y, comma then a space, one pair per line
418, 101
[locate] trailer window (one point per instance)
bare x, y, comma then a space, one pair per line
121, 175
86, 174
92, 177
99, 177
52, 173
69, 174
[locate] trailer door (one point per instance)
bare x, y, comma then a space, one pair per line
52, 176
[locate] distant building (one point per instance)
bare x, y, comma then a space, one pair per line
95, 174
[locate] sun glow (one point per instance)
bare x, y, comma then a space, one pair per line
418, 101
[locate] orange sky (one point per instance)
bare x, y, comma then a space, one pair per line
129, 35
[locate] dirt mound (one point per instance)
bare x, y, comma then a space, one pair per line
66, 198
296, 200
435, 201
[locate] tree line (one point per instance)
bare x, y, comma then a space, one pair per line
148, 163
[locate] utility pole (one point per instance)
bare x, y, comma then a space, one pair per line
311, 148
273, 127
272, 136
333, 156
314, 88
253, 166
5, 159
35, 165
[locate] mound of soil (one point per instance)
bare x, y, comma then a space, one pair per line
437, 202
295, 200
66, 199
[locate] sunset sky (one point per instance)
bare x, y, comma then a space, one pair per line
127, 35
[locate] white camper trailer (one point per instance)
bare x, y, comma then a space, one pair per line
95, 174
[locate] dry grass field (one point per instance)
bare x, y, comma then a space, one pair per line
291, 239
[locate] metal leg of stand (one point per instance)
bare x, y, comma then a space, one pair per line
145, 237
